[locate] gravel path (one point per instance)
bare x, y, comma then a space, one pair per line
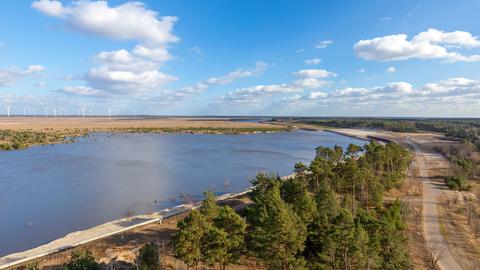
430, 216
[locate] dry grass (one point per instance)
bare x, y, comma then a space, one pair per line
460, 212
62, 123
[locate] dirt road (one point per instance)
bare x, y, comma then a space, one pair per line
431, 221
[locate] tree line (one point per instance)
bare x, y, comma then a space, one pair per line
464, 156
330, 215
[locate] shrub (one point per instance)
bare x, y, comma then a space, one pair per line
81, 260
457, 183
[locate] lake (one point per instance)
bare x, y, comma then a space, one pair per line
49, 191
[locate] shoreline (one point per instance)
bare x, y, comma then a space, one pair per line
110, 228
362, 134
78, 238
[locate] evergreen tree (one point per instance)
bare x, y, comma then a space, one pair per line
234, 227
277, 233
148, 257
295, 193
215, 247
209, 207
187, 241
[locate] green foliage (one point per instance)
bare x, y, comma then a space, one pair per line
187, 241
148, 257
209, 208
277, 233
81, 260
331, 215
457, 183
295, 193
234, 228
212, 235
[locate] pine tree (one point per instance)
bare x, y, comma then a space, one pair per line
148, 257
277, 233
234, 228
187, 241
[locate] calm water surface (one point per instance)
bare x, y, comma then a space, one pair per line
49, 191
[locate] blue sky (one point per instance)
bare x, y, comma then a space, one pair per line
315, 58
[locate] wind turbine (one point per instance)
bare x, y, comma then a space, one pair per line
8, 111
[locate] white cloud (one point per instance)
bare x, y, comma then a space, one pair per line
431, 44
313, 61
51, 8
311, 83
399, 98
323, 44
255, 93
314, 73
391, 69
361, 70
120, 71
8, 76
306, 79
158, 54
83, 91
317, 95
128, 21
230, 77
312, 78
385, 19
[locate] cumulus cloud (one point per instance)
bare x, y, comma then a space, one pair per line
312, 78
10, 75
391, 69
313, 61
399, 97
129, 21
120, 71
255, 93
430, 44
323, 44
306, 79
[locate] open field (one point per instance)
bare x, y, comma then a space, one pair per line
107, 123
23, 132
